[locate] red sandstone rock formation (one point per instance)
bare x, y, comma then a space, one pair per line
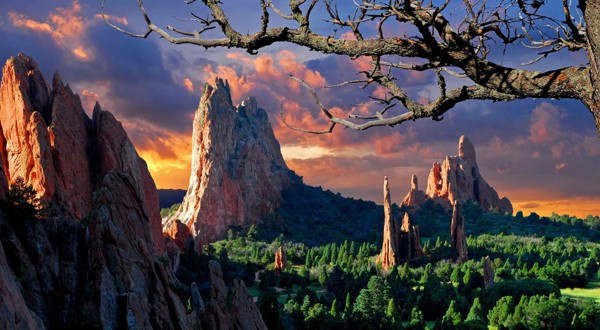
457, 179
400, 244
238, 172
457, 234
415, 197
48, 140
280, 261
243, 310
388, 257
92, 261
488, 273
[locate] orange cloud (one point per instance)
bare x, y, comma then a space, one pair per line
559, 167
578, 206
65, 26
188, 84
113, 19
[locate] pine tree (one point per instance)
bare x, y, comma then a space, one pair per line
476, 311
347, 306
452, 317
392, 315
416, 319
334, 309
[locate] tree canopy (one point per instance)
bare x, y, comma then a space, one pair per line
460, 41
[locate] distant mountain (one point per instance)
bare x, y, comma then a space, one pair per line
168, 197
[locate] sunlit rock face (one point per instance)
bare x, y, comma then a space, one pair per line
237, 170
92, 261
457, 179
457, 234
47, 139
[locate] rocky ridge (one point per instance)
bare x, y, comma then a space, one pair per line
238, 172
457, 179
91, 262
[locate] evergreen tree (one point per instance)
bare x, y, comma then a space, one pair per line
269, 309
392, 316
347, 306
334, 309
476, 311
452, 316
416, 319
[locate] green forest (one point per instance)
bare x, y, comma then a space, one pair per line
546, 269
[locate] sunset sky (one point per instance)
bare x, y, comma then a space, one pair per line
542, 154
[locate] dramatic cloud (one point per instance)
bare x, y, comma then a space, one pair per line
65, 26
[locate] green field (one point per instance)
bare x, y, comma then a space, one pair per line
592, 291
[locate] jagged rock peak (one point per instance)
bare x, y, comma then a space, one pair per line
457, 179
65, 154
237, 171
466, 150
414, 183
96, 248
415, 197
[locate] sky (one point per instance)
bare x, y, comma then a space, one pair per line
541, 154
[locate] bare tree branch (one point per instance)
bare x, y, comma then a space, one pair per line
435, 43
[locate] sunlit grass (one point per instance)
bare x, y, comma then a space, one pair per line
592, 291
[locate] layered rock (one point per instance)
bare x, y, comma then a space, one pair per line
488, 272
457, 179
281, 262
457, 234
400, 244
237, 173
92, 261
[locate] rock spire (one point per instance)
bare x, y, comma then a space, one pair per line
457, 234
281, 262
238, 171
400, 243
488, 272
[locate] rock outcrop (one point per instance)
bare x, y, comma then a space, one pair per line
400, 243
243, 314
48, 140
488, 272
457, 179
457, 234
91, 262
237, 173
415, 197
281, 262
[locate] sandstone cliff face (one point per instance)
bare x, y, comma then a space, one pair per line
415, 197
400, 243
92, 262
457, 234
237, 173
48, 140
457, 179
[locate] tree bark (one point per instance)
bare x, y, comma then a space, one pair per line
591, 10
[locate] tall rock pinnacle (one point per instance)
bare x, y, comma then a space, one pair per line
457, 234
400, 243
457, 179
238, 171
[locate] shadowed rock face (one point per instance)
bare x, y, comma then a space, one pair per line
457, 234
488, 273
237, 173
457, 179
